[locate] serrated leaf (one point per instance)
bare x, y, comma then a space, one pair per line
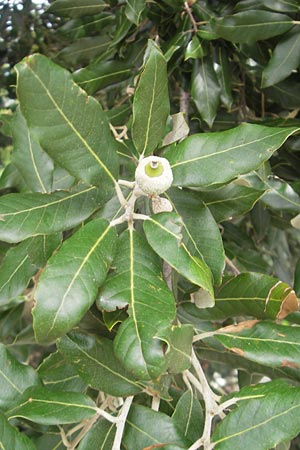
251, 26
136, 282
230, 201
83, 145
205, 242
252, 294
205, 89
146, 428
12, 438
58, 375
151, 105
285, 58
179, 347
35, 166
167, 228
188, 416
15, 378
76, 8
67, 287
100, 75
93, 358
102, 433
134, 9
15, 272
25, 215
208, 159
40, 405
261, 422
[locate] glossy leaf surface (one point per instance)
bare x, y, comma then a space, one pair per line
211, 158
67, 287
12, 438
21, 214
151, 102
93, 358
46, 407
44, 85
136, 282
167, 228
188, 416
102, 433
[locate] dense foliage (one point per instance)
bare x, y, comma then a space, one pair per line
134, 315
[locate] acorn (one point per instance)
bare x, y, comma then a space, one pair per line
153, 175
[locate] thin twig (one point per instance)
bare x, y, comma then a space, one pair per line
232, 266
121, 423
190, 14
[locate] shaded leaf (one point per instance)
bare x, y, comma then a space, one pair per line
102, 434
179, 347
99, 75
188, 416
208, 159
24, 215
251, 26
12, 438
146, 428
180, 129
230, 201
58, 375
15, 378
134, 9
84, 50
268, 417
42, 85
205, 242
205, 89
67, 287
285, 58
136, 282
46, 407
252, 294
35, 166
194, 49
224, 76
76, 8
93, 358
167, 228
151, 102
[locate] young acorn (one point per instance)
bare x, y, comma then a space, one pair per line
153, 175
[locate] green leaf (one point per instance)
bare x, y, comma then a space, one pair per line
100, 75
151, 105
188, 416
194, 49
285, 58
230, 201
41, 248
58, 375
136, 282
146, 428
15, 378
15, 272
179, 347
167, 228
101, 436
205, 89
25, 215
68, 286
12, 438
76, 8
286, 93
93, 358
180, 129
134, 9
280, 195
223, 71
262, 421
42, 85
263, 342
40, 405
251, 26
252, 294
32, 162
84, 50
204, 242
209, 159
